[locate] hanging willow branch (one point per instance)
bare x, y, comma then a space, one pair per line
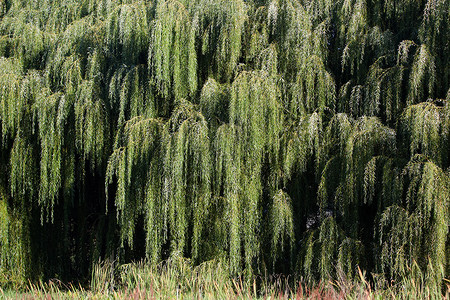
91, 123
172, 56
14, 243
221, 34
11, 105
418, 224
139, 139
187, 166
427, 127
127, 32
51, 135
282, 222
423, 76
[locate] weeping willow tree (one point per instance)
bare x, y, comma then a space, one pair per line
307, 137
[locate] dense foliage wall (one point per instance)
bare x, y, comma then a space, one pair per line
300, 136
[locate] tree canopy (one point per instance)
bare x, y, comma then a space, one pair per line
308, 137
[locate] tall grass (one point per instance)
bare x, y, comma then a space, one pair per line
177, 278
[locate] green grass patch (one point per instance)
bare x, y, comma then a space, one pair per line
179, 279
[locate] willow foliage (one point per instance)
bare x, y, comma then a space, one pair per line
288, 136
221, 34
139, 139
14, 258
127, 32
51, 136
172, 55
427, 126
413, 227
127, 94
315, 86
10, 108
23, 176
328, 244
91, 123
214, 100
187, 166
282, 220
423, 78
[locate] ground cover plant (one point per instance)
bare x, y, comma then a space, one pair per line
177, 278
308, 138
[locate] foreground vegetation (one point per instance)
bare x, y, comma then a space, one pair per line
308, 138
178, 279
